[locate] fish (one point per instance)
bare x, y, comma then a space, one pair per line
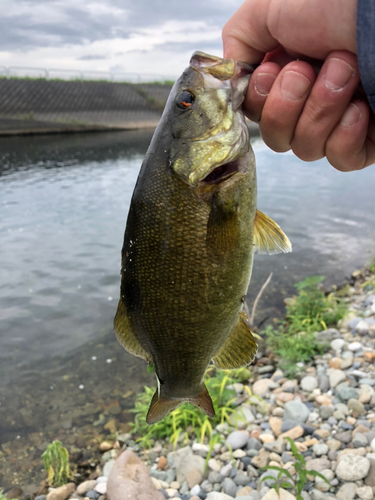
191, 233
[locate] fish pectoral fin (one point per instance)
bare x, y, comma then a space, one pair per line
160, 405
125, 335
239, 349
269, 237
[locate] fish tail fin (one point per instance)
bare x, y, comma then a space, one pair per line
204, 402
160, 406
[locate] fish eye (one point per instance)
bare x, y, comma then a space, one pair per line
185, 99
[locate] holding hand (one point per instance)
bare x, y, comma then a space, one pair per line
315, 115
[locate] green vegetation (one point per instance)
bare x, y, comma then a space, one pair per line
299, 477
188, 421
294, 340
56, 464
369, 284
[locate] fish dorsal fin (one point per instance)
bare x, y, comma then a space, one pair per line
269, 237
160, 405
239, 349
125, 335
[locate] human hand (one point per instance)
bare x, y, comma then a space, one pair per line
314, 115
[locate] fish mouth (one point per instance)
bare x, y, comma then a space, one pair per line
222, 173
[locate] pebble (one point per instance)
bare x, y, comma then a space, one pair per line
296, 410
237, 439
309, 383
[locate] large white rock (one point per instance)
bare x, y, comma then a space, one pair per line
352, 467
272, 495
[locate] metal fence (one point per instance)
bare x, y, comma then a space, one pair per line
71, 74
36, 104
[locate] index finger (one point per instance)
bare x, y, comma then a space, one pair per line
246, 36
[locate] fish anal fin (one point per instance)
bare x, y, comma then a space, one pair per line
160, 406
239, 349
125, 334
269, 237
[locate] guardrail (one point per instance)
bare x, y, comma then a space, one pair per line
73, 74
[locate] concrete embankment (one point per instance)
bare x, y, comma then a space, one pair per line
40, 106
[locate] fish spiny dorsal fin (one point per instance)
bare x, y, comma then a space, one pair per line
160, 405
239, 349
268, 237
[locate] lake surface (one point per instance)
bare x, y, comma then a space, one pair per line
63, 208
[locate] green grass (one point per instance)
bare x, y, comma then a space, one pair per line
56, 464
295, 481
188, 421
294, 340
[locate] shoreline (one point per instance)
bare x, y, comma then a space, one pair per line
330, 422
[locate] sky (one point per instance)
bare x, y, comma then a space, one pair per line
154, 37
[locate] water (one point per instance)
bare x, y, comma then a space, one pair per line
64, 201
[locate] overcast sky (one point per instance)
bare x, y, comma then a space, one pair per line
133, 36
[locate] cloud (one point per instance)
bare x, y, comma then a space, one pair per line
93, 35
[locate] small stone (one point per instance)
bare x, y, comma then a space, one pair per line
335, 363
261, 460
244, 492
229, 487
309, 383
275, 424
356, 406
206, 486
346, 393
320, 449
338, 344
352, 467
334, 444
294, 433
318, 464
282, 495
101, 488
193, 477
323, 400
370, 478
322, 433
215, 495
322, 485
362, 327
162, 463
214, 465
359, 440
347, 491
62, 492
296, 410
354, 346
239, 453
325, 412
365, 393
260, 387
335, 376
86, 486
237, 439
365, 493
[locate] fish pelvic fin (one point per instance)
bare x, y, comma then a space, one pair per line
125, 334
239, 349
269, 237
160, 406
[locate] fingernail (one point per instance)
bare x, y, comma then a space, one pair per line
337, 74
263, 83
294, 86
351, 116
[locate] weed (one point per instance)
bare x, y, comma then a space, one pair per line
187, 419
294, 340
56, 463
299, 477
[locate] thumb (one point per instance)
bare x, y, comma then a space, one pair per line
246, 36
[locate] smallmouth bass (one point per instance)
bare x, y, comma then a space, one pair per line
191, 233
